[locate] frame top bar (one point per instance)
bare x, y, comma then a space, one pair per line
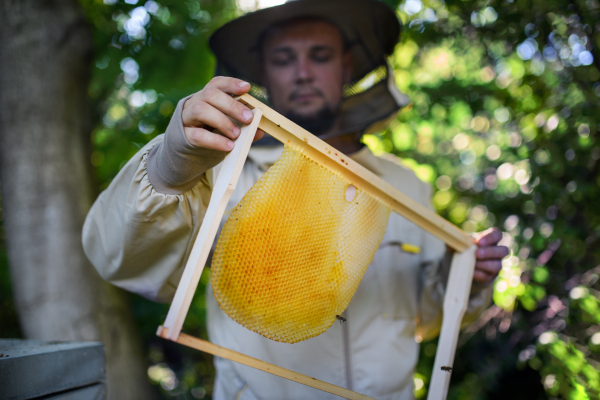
288, 132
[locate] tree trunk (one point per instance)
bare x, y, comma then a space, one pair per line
47, 188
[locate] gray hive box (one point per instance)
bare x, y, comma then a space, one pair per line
31, 369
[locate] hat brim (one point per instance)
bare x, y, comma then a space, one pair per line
370, 26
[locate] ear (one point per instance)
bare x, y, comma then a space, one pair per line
348, 63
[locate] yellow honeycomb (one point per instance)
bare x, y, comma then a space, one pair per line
293, 251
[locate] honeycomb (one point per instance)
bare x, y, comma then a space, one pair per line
293, 251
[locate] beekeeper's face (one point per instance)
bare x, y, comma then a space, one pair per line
305, 67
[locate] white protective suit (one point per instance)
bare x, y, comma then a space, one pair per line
139, 239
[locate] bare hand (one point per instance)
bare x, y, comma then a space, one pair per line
489, 255
210, 108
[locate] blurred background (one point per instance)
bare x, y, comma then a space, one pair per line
503, 123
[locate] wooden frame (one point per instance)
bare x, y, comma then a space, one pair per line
287, 132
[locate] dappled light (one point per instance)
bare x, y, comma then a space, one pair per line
504, 98
503, 123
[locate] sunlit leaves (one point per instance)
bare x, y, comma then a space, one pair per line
505, 111
148, 55
565, 370
404, 53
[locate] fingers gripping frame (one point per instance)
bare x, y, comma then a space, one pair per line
461, 272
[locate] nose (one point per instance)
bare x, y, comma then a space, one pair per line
304, 71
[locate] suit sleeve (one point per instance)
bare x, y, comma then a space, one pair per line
138, 235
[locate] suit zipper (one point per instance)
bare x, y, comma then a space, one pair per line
347, 358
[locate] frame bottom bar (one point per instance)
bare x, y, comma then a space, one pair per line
223, 352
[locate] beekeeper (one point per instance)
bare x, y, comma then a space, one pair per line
323, 65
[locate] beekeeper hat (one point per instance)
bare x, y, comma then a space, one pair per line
370, 29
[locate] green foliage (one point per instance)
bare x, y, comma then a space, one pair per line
503, 123
148, 56
565, 368
504, 120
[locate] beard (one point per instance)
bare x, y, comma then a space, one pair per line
318, 123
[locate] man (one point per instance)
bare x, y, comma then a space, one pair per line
306, 55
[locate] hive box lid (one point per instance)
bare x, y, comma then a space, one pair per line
34, 368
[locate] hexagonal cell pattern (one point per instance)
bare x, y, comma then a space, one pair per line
293, 251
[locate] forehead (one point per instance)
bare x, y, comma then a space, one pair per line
304, 33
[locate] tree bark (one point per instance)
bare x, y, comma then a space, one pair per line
47, 188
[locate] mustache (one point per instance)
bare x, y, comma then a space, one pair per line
304, 91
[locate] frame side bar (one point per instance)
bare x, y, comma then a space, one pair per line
456, 301
223, 352
225, 184
289, 133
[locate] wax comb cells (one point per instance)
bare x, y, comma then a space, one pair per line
293, 251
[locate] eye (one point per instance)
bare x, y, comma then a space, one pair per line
281, 59
322, 55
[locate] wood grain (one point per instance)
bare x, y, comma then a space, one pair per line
456, 301
225, 184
